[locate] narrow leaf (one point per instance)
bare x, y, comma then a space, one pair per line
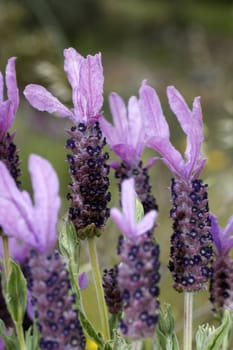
16, 293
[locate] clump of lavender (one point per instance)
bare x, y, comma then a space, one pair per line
112, 293
138, 271
89, 194
8, 108
221, 284
53, 303
191, 241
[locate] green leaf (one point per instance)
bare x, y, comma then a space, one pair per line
69, 243
211, 338
165, 331
32, 337
119, 343
16, 293
139, 210
10, 340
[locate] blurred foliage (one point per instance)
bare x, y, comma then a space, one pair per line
185, 43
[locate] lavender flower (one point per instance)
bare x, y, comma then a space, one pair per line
85, 76
138, 272
33, 224
222, 279
128, 139
8, 109
112, 293
54, 305
191, 250
88, 168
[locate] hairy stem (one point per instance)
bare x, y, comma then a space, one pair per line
188, 319
20, 335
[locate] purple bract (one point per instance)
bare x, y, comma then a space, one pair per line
86, 78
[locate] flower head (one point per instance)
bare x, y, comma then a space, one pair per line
126, 220
221, 282
55, 311
9, 107
85, 76
32, 223
222, 237
158, 131
127, 137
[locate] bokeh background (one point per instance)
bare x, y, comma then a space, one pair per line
185, 43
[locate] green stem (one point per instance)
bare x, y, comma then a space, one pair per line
6, 255
188, 319
20, 335
99, 289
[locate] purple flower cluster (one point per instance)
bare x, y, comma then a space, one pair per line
221, 285
54, 305
191, 241
89, 194
131, 288
8, 109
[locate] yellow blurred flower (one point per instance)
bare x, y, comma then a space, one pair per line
91, 345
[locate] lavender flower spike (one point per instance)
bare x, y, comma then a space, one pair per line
221, 285
86, 79
127, 137
34, 224
126, 220
191, 241
9, 107
138, 274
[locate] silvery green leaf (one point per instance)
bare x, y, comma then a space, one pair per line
119, 343
16, 293
165, 331
69, 244
211, 338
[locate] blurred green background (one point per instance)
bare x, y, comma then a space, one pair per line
188, 44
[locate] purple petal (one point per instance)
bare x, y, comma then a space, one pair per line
120, 220
1, 88
6, 117
72, 65
151, 161
146, 223
126, 152
19, 250
191, 123
216, 232
137, 136
83, 280
11, 83
171, 157
180, 108
153, 114
108, 131
128, 201
119, 114
19, 223
43, 100
47, 202
91, 83
229, 227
